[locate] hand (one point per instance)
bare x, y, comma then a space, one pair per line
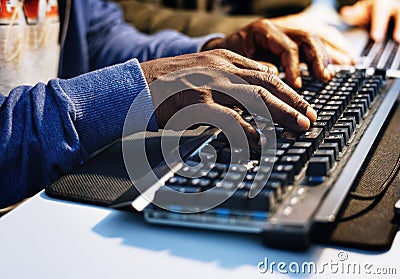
333, 40
374, 12
262, 40
284, 104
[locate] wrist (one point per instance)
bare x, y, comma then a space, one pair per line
214, 44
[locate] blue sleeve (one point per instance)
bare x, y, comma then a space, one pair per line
47, 130
111, 40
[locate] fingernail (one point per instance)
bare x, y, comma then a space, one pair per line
262, 140
311, 114
303, 122
377, 36
327, 73
397, 36
331, 70
298, 82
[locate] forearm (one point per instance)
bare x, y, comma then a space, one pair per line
47, 130
151, 18
111, 40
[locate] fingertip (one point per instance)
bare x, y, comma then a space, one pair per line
298, 82
347, 14
327, 74
262, 140
311, 114
396, 36
377, 35
303, 122
253, 136
345, 11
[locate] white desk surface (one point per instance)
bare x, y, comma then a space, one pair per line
46, 238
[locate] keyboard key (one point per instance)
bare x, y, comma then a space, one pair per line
337, 102
313, 135
372, 89
345, 95
302, 152
237, 199
318, 166
284, 168
334, 108
340, 99
365, 98
334, 116
268, 160
283, 145
212, 174
317, 107
263, 201
368, 91
348, 119
186, 189
356, 113
283, 177
234, 176
330, 146
224, 184
177, 180
326, 153
292, 160
306, 145
362, 104
277, 187
336, 138
327, 120
345, 125
340, 131
203, 182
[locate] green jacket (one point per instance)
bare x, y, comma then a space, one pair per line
149, 16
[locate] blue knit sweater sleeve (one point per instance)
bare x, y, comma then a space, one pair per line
112, 40
47, 130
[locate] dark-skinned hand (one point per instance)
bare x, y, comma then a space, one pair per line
284, 104
262, 40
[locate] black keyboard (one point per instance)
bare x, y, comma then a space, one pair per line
309, 174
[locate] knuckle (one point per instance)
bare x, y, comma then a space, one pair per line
276, 82
222, 52
292, 47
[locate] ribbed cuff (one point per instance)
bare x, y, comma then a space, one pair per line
102, 99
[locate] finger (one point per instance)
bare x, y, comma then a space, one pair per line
357, 14
283, 113
274, 40
225, 115
296, 116
333, 37
271, 66
340, 58
314, 52
279, 89
291, 63
396, 31
241, 61
380, 16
